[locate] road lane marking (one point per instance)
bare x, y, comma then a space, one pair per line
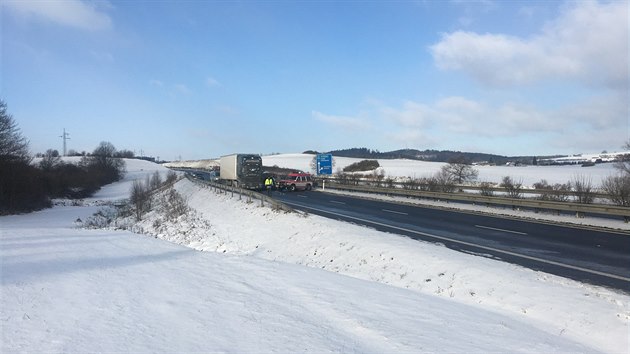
502, 230
394, 212
568, 266
336, 202
302, 196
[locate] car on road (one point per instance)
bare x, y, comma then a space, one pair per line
296, 181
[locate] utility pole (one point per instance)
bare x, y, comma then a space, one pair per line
64, 137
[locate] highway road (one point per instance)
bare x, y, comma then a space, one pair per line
588, 255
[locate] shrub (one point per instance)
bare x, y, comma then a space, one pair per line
512, 188
583, 189
618, 189
139, 198
486, 189
171, 177
365, 165
557, 192
412, 184
103, 166
442, 181
173, 204
156, 180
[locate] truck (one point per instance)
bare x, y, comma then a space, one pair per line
241, 170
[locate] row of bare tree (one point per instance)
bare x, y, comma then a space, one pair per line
26, 187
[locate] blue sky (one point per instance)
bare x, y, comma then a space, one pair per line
200, 79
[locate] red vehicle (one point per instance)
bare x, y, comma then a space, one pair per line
296, 181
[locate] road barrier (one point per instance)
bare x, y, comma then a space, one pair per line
577, 208
250, 195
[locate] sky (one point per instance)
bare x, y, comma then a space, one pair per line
201, 79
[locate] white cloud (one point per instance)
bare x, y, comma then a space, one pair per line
212, 82
413, 115
157, 83
102, 56
181, 88
347, 123
588, 42
589, 125
411, 138
459, 115
72, 13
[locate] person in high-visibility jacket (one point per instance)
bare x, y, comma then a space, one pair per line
269, 184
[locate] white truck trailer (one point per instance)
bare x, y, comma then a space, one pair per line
241, 170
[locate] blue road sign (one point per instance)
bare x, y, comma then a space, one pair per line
324, 164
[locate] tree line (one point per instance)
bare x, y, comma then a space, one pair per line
26, 187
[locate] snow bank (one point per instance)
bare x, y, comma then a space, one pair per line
69, 290
222, 223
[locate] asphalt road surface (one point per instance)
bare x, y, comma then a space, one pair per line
588, 255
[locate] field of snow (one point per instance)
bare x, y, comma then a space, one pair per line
276, 282
528, 175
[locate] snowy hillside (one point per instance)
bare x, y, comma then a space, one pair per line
276, 282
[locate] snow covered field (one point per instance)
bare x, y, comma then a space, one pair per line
528, 175
276, 282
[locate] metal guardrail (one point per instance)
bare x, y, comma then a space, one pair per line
579, 209
407, 186
250, 195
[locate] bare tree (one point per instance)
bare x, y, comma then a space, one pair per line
618, 189
139, 198
512, 188
623, 161
378, 175
460, 170
443, 182
583, 189
156, 180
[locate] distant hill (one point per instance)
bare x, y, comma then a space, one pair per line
428, 155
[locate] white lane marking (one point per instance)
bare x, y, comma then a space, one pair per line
394, 212
302, 196
614, 276
336, 202
502, 230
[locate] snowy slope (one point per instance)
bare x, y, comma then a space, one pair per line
67, 289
